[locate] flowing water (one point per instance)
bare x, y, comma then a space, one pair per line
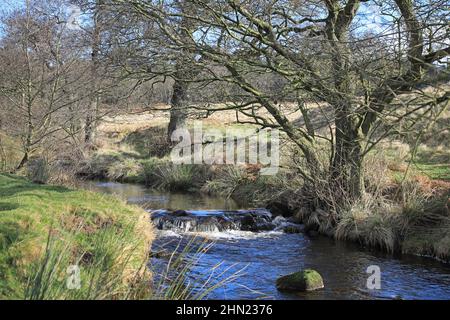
262, 256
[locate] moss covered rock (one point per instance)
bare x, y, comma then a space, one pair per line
305, 280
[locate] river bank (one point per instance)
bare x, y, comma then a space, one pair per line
44, 229
254, 260
405, 209
407, 213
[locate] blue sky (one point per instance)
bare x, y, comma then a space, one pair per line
10, 4
7, 6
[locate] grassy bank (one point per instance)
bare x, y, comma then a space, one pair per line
45, 229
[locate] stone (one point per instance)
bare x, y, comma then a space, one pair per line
304, 280
293, 229
179, 213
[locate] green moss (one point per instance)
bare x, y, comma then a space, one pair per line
79, 223
305, 280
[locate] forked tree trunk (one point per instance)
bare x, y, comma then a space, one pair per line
23, 162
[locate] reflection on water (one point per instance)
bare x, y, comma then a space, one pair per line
152, 199
266, 256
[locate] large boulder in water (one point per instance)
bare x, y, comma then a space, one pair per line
248, 223
305, 280
256, 222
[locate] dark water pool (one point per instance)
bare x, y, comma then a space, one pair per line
262, 257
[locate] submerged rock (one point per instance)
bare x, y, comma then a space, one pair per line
305, 280
293, 228
161, 254
312, 233
178, 213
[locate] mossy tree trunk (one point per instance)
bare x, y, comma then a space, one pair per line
347, 177
178, 107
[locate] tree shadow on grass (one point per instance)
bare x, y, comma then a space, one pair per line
20, 185
4, 206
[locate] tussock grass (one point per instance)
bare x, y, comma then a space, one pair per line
367, 223
176, 177
226, 180
415, 222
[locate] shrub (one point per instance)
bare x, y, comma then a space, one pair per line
149, 142
126, 170
38, 170
97, 166
225, 181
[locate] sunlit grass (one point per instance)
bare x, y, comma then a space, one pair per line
100, 230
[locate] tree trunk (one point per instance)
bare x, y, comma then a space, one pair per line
22, 163
178, 110
89, 127
92, 112
29, 136
347, 176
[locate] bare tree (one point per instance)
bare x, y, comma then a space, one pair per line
92, 112
326, 53
42, 77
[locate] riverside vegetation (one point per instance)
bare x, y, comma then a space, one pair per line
405, 208
44, 229
362, 111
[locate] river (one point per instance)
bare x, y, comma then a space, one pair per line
261, 257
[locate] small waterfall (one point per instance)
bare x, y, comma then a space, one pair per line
213, 220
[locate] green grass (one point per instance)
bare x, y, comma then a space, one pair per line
44, 229
10, 152
433, 163
434, 171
